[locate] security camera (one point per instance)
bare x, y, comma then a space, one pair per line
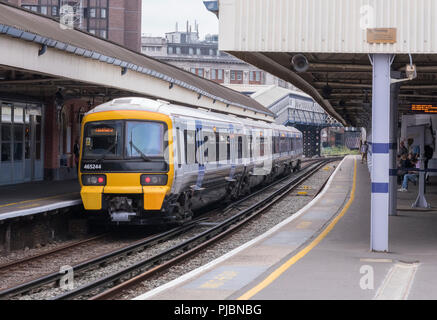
300, 63
411, 71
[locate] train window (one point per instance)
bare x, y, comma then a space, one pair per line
196, 145
228, 148
217, 147
103, 139
189, 143
251, 145
240, 147
205, 148
261, 147
137, 146
178, 142
282, 144
276, 144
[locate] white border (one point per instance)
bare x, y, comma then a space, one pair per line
232, 253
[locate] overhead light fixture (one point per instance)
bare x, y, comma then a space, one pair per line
300, 63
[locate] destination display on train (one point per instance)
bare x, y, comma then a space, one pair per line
103, 132
424, 108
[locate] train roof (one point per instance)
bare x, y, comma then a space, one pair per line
144, 104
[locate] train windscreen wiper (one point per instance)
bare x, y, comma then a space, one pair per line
103, 156
143, 156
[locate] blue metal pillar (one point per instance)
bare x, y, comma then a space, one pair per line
380, 202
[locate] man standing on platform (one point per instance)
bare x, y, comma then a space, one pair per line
364, 149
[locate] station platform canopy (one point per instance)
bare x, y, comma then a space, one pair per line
41, 57
336, 37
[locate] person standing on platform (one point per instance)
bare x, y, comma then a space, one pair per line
364, 149
76, 150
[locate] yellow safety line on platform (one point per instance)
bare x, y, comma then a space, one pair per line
26, 201
273, 276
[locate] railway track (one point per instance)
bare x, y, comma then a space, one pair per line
119, 281
52, 278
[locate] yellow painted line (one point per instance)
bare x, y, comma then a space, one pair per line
219, 280
30, 205
273, 276
40, 199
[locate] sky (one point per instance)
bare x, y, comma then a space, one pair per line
160, 16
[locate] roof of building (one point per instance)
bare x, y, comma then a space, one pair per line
30, 26
272, 94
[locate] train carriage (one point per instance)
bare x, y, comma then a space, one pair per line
146, 162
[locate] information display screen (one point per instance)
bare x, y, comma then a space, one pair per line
424, 108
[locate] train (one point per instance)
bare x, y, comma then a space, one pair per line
147, 162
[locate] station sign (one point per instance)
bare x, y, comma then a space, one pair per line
424, 108
381, 35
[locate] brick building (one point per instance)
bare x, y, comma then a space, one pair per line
115, 20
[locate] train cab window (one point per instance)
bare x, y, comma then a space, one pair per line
103, 140
240, 147
137, 146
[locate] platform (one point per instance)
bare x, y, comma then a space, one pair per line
322, 252
37, 197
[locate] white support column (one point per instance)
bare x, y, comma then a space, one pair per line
394, 146
380, 202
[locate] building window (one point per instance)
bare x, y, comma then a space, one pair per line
43, 10
54, 11
103, 34
255, 77
236, 77
103, 13
198, 71
92, 12
217, 75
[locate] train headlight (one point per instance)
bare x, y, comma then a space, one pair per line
94, 180
154, 179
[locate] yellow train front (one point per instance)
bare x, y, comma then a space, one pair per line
126, 168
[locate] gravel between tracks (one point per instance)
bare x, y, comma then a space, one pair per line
289, 205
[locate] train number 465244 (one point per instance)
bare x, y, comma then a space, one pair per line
90, 166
